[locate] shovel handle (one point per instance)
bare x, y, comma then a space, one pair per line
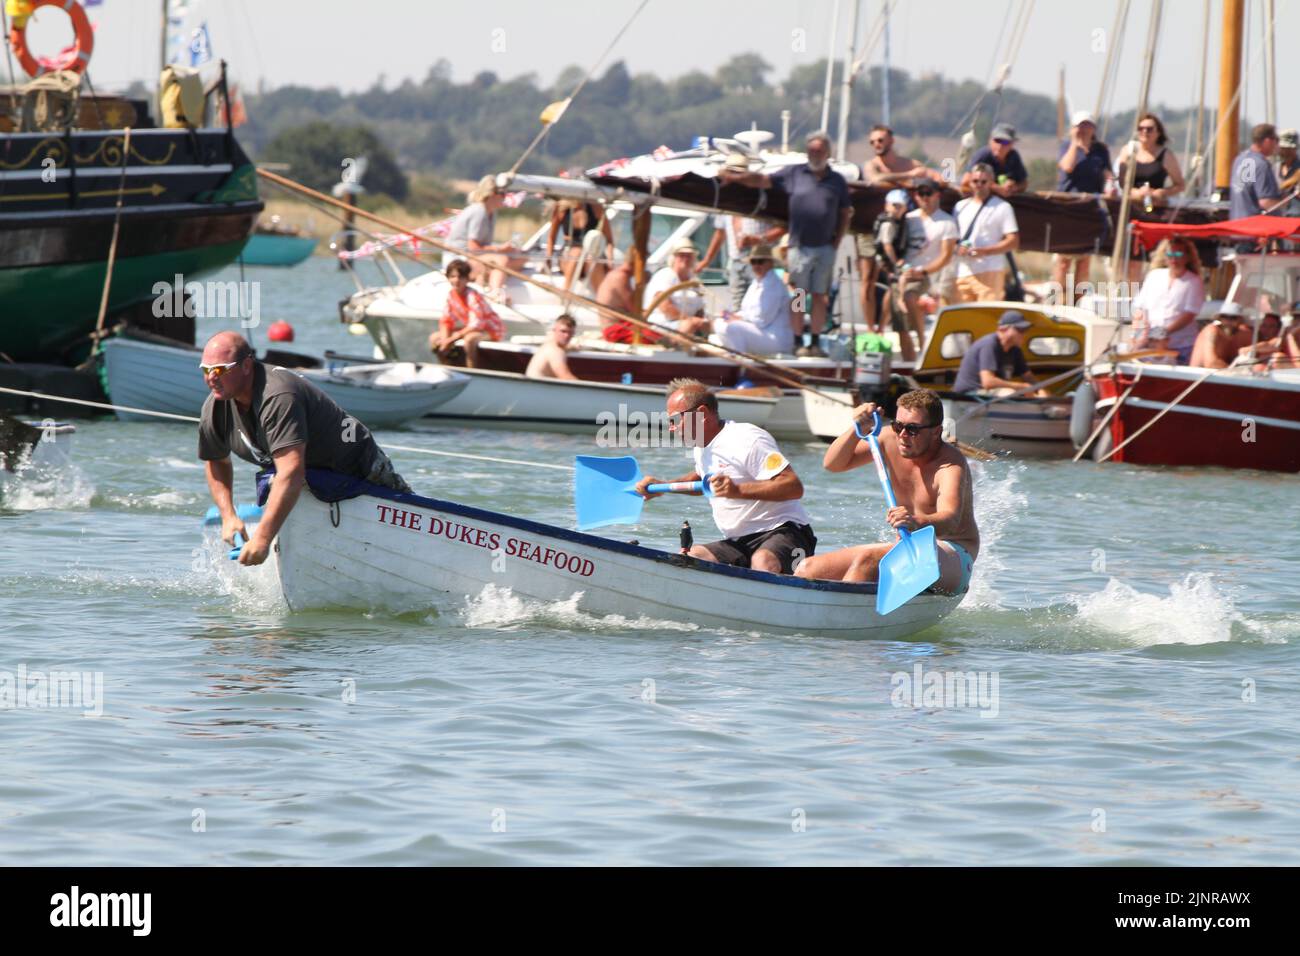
238, 542
680, 487
879, 460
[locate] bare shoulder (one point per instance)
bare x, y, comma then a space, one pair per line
951, 460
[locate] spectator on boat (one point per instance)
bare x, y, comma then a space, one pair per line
755, 491
587, 239
765, 325
1000, 155
1084, 167
1171, 296
683, 310
618, 292
467, 318
997, 360
740, 234
1222, 340
275, 419
551, 358
473, 230
931, 241
1288, 173
1158, 176
819, 214
887, 168
986, 225
932, 483
889, 246
1266, 345
1254, 189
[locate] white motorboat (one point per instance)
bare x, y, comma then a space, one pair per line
153, 376
511, 400
385, 550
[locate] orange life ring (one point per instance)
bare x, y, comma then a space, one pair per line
77, 59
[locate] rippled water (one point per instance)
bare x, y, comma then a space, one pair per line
1141, 625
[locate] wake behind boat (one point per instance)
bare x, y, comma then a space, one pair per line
380, 549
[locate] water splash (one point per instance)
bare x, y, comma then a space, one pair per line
1194, 612
46, 486
997, 504
500, 608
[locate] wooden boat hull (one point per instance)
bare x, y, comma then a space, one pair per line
1234, 419
163, 378
405, 552
510, 400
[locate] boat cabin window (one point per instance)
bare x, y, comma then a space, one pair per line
1053, 345
955, 344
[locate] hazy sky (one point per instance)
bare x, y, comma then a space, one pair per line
349, 44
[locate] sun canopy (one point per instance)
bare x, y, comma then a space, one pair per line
1252, 227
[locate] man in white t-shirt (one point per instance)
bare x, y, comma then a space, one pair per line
741, 234
987, 230
1165, 308
755, 492
765, 325
931, 239
683, 311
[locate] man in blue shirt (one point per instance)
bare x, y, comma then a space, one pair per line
1253, 182
1085, 161
1009, 173
995, 361
819, 213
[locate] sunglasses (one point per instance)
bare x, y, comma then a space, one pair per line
909, 429
216, 371
925, 193
1146, 129
1003, 142
675, 419
1175, 255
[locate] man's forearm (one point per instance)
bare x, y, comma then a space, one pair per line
944, 523
285, 489
1179, 321
771, 489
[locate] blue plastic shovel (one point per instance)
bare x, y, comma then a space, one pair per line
912, 565
246, 514
604, 490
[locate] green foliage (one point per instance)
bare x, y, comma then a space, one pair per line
463, 130
317, 153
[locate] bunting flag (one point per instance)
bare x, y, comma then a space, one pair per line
554, 111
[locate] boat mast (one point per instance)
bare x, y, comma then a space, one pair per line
1225, 146
162, 59
884, 75
1270, 65
830, 67
1130, 171
846, 84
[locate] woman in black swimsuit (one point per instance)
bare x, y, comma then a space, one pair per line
1156, 178
575, 219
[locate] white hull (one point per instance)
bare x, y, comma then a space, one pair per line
511, 400
163, 378
1023, 427
351, 555
827, 415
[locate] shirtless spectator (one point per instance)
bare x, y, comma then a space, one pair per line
887, 168
1000, 155
617, 292
550, 361
1220, 342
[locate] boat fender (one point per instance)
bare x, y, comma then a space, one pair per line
1082, 411
77, 58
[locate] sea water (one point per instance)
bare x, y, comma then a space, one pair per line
1118, 687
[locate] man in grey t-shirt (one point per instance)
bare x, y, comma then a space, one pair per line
270, 416
1253, 182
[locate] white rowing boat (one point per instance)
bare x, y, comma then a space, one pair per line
165, 378
510, 400
405, 552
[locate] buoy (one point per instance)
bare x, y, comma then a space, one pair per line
280, 331
928, 304
1082, 411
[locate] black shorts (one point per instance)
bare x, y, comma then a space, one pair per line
784, 541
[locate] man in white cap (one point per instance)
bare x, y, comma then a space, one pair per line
765, 325
1084, 167
996, 360
1009, 173
683, 310
1219, 343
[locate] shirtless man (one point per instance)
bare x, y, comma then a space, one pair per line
931, 481
1219, 343
615, 290
887, 168
549, 360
